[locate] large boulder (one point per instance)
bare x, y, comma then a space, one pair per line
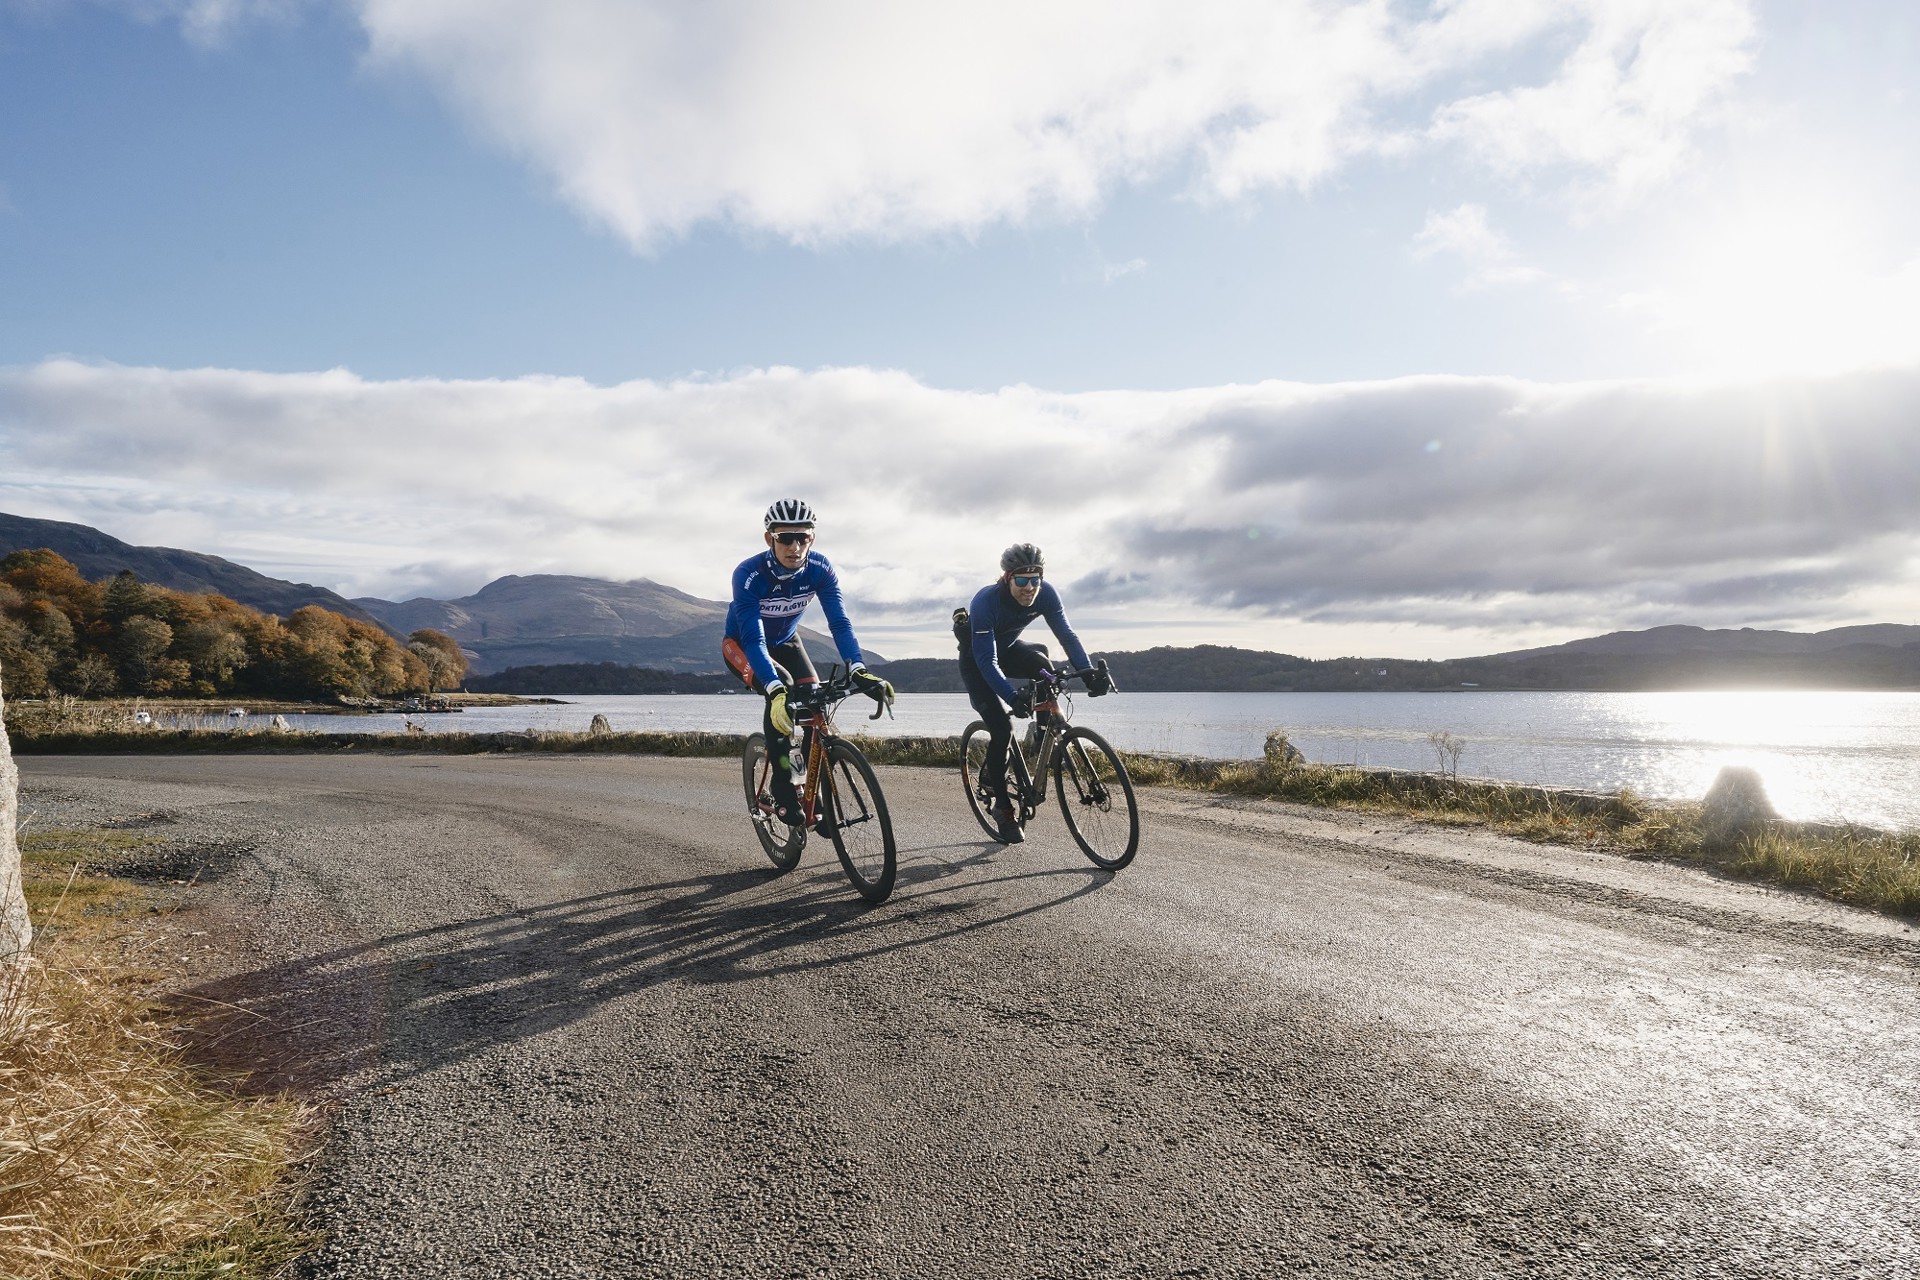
1736, 804
16, 930
1280, 753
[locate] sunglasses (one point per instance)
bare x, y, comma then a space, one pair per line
793, 537
1027, 579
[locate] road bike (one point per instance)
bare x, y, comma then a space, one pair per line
839, 796
1096, 796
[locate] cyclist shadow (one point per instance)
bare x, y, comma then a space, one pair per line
382, 1012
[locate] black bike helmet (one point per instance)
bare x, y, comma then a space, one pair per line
1022, 555
789, 511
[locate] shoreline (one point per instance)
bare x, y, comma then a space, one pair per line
265, 706
1864, 867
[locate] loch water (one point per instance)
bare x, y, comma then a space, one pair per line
1852, 756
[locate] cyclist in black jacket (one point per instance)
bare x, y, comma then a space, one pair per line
991, 651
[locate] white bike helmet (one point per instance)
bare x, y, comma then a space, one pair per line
790, 511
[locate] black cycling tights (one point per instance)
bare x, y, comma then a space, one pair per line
1018, 661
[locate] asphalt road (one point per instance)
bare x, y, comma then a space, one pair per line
574, 1025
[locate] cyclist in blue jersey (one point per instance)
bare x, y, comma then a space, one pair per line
762, 645
992, 656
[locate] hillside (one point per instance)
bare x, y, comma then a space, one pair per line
1666, 658
555, 620
543, 605
98, 555
1680, 641
601, 678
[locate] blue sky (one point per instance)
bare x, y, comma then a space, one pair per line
1053, 277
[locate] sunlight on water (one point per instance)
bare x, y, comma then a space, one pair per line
1828, 756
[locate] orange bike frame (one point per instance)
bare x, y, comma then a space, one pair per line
821, 727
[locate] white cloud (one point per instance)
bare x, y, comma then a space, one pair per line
877, 118
1624, 103
1581, 507
1465, 233
1787, 269
209, 23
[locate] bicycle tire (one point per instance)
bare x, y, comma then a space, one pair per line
1096, 799
973, 755
782, 842
861, 827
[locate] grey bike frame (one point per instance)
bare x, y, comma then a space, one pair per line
1037, 775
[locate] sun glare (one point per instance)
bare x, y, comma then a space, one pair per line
1787, 286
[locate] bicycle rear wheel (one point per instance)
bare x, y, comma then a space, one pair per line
862, 831
1096, 798
782, 842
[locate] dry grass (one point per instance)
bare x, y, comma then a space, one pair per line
65, 883
117, 1157
1877, 869
64, 714
260, 739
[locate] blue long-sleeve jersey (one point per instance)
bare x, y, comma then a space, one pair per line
768, 599
998, 619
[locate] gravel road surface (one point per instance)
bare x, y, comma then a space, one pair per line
572, 1024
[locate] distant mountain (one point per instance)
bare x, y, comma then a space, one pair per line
1874, 657
99, 555
553, 620
550, 620
1676, 641
542, 606
601, 678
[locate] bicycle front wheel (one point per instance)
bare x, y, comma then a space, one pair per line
973, 757
1096, 798
782, 842
862, 831
981, 797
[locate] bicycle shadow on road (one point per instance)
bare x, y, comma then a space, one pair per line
382, 1012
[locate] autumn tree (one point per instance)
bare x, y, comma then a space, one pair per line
23, 665
92, 676
344, 657
59, 632
48, 576
446, 665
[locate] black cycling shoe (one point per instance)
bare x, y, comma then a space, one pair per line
786, 801
1009, 832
